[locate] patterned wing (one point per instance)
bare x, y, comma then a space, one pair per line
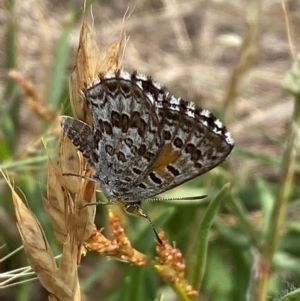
125, 131
80, 134
146, 141
194, 142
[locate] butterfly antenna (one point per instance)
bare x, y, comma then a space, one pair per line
199, 197
136, 209
152, 226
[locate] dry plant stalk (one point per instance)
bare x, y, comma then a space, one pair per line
76, 187
38, 104
89, 63
248, 57
66, 194
62, 282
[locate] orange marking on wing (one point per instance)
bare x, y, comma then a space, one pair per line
166, 157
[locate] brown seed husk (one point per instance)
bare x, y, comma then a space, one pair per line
76, 187
61, 282
89, 63
66, 194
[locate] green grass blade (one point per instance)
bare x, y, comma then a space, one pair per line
292, 296
199, 251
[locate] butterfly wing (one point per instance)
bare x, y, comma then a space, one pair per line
145, 141
194, 142
80, 134
125, 131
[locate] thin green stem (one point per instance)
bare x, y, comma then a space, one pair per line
278, 215
238, 210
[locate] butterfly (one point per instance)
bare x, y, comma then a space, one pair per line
142, 140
